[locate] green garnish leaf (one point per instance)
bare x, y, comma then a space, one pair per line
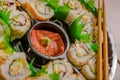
5, 15
61, 12
91, 3
5, 33
41, 71
94, 47
85, 38
32, 68
52, 3
8, 48
54, 76
36, 72
76, 29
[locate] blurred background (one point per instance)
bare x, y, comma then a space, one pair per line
113, 21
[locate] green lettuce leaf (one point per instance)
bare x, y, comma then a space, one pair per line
5, 15
5, 33
54, 76
94, 47
61, 12
85, 38
36, 72
52, 3
32, 68
76, 28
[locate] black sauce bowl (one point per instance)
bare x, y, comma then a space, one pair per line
49, 26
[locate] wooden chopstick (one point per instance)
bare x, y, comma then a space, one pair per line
105, 43
99, 58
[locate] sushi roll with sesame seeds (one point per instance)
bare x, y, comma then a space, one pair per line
79, 54
15, 67
89, 70
76, 10
37, 9
20, 23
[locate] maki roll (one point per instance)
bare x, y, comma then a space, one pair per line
20, 23
72, 16
37, 9
61, 67
15, 67
75, 5
89, 70
7, 4
80, 53
89, 18
76, 10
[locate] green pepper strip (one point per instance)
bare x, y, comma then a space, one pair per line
85, 38
52, 3
5, 45
76, 29
94, 46
89, 7
61, 12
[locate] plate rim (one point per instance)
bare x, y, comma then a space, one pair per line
114, 61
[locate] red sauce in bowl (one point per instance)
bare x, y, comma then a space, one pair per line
47, 42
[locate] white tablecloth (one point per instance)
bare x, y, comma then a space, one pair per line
113, 21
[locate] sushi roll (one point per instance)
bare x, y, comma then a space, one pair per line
60, 66
37, 9
76, 10
15, 67
79, 54
89, 70
75, 5
72, 16
63, 67
20, 23
7, 4
89, 18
